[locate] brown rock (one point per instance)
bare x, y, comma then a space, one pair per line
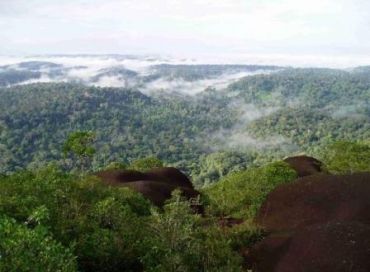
305, 165
316, 199
329, 247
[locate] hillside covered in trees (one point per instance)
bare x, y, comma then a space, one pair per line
87, 180
185, 136
52, 220
207, 135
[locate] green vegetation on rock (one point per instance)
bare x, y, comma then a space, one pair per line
240, 194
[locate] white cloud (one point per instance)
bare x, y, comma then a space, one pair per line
318, 28
91, 70
194, 87
242, 140
110, 81
42, 79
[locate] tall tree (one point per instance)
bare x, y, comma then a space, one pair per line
80, 145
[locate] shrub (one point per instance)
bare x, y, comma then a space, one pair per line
104, 223
180, 241
24, 249
116, 166
241, 194
146, 164
346, 157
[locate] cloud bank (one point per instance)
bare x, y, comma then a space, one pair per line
149, 74
304, 32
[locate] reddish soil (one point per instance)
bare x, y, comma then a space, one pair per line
316, 199
305, 165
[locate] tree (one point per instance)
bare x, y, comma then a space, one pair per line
116, 166
79, 144
216, 165
241, 194
26, 249
180, 242
146, 164
347, 157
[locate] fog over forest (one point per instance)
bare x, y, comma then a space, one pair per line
147, 73
184, 135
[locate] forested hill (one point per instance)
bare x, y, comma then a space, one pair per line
311, 106
37, 118
210, 134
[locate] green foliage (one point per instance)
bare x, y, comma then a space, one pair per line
313, 106
79, 144
202, 71
76, 222
104, 224
244, 235
181, 243
24, 249
38, 215
306, 107
115, 229
128, 124
116, 166
12, 76
241, 194
146, 164
347, 157
216, 165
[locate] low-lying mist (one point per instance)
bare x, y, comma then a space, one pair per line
238, 138
145, 73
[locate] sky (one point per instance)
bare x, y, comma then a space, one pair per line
312, 32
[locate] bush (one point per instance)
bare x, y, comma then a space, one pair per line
241, 194
104, 223
346, 157
216, 165
116, 166
24, 249
180, 241
146, 164
116, 229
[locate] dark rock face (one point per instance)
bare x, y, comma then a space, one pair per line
317, 223
332, 247
117, 177
317, 199
305, 165
156, 185
171, 175
159, 192
265, 255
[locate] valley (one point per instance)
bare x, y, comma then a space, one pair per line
249, 121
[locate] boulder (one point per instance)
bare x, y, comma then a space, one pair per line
171, 175
329, 247
316, 199
305, 165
